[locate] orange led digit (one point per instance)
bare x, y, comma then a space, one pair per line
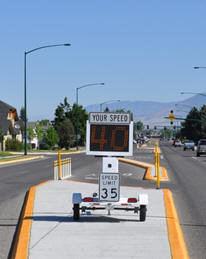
120, 129
100, 140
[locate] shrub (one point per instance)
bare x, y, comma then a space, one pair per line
14, 145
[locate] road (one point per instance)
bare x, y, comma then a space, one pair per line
188, 184
187, 181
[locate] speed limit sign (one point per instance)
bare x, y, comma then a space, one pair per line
109, 187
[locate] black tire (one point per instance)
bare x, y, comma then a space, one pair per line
142, 215
76, 211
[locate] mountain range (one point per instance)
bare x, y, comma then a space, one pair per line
154, 113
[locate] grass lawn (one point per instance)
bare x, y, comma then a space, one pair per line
4, 154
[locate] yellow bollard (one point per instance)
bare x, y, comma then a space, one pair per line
158, 170
156, 159
59, 159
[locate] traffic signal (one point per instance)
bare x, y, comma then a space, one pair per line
174, 127
147, 126
155, 127
165, 127
171, 122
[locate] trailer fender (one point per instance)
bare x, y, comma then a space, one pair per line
76, 198
143, 199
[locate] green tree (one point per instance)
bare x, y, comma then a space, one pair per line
14, 145
65, 132
21, 119
44, 123
106, 109
62, 111
1, 138
139, 126
22, 114
82, 118
192, 129
39, 132
203, 124
64, 114
31, 134
51, 137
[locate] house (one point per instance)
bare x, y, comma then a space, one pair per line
33, 141
10, 128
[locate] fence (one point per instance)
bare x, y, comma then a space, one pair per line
62, 169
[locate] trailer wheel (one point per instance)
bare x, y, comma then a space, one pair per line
142, 215
76, 211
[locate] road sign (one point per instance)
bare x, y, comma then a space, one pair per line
171, 117
109, 117
109, 134
109, 187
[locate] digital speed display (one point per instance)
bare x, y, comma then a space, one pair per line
109, 134
111, 138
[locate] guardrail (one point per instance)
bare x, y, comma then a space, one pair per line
62, 168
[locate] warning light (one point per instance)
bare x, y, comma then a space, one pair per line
132, 200
88, 199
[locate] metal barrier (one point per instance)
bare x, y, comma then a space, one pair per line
62, 168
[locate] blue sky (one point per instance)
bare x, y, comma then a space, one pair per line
141, 50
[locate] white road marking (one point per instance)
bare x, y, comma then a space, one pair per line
91, 177
24, 172
127, 174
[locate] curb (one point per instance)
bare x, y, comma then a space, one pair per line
21, 242
20, 160
176, 239
148, 166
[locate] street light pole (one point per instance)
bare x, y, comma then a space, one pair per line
198, 67
193, 93
112, 101
25, 92
77, 119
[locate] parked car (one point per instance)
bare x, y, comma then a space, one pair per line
201, 147
189, 144
177, 143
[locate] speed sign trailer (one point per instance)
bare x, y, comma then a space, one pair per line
109, 135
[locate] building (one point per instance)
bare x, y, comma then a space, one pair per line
9, 125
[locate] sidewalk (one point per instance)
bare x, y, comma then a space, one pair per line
47, 228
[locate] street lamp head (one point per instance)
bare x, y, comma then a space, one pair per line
196, 67
67, 44
101, 83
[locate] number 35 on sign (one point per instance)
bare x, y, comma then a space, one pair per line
109, 187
